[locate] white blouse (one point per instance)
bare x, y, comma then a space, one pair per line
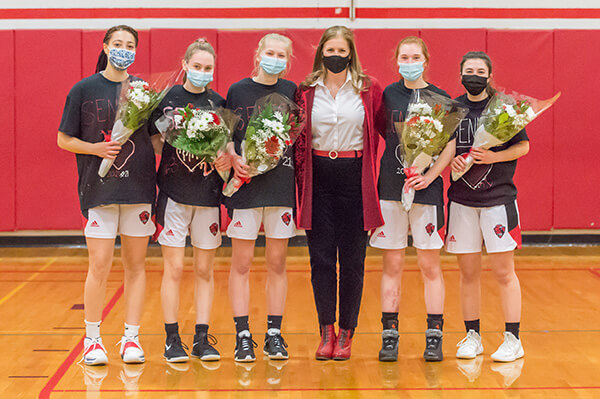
337, 123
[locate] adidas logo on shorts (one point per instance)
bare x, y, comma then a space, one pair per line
238, 224
381, 234
452, 239
94, 224
170, 233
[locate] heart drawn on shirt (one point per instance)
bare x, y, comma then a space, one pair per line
476, 175
191, 162
398, 154
126, 152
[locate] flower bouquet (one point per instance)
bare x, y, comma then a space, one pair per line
272, 128
430, 121
138, 99
504, 116
200, 135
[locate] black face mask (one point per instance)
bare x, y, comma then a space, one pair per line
474, 84
335, 63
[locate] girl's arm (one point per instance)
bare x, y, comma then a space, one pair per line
421, 182
513, 152
103, 149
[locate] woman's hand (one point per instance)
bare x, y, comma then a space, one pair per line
458, 164
240, 167
223, 162
418, 182
483, 156
108, 150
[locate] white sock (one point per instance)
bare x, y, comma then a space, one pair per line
92, 329
273, 331
131, 331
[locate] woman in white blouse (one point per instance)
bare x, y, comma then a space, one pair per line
335, 171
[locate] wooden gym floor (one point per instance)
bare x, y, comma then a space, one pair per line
41, 335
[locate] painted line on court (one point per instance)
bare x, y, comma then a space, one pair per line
27, 376
68, 362
20, 286
371, 389
595, 272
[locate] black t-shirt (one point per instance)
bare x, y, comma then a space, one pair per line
276, 187
181, 176
391, 176
483, 185
89, 115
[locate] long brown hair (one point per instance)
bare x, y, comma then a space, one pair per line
359, 78
103, 58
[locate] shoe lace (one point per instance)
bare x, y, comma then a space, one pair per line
432, 342
175, 340
468, 339
246, 342
211, 339
278, 341
93, 341
344, 335
388, 342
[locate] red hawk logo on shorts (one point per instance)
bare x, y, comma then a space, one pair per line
499, 230
214, 229
430, 228
287, 218
145, 216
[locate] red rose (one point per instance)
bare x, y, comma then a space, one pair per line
216, 119
272, 145
190, 106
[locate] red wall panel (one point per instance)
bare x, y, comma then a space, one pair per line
446, 48
168, 47
576, 171
7, 121
46, 192
528, 69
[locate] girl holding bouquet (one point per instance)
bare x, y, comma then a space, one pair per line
425, 218
189, 199
266, 199
482, 208
119, 203
335, 169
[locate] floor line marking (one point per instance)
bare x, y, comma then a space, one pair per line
20, 286
344, 389
74, 354
595, 272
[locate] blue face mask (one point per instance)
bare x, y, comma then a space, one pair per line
272, 65
199, 79
411, 72
121, 58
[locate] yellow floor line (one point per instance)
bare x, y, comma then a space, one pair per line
18, 288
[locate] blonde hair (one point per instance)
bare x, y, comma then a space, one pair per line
359, 78
413, 40
263, 43
200, 44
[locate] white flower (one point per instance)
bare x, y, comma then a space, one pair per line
438, 125
279, 116
510, 110
530, 113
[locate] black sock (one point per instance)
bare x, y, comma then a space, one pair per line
435, 321
171, 329
201, 329
513, 328
472, 325
241, 324
274, 322
389, 320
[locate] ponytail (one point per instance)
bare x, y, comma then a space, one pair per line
102, 62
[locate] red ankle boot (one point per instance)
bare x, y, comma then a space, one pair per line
343, 345
325, 349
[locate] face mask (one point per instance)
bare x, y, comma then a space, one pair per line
272, 65
121, 58
199, 79
411, 72
335, 63
474, 84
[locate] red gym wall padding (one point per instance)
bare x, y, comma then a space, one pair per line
7, 121
48, 63
556, 180
577, 136
523, 61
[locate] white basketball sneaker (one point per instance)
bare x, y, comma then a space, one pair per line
94, 353
131, 350
510, 350
470, 346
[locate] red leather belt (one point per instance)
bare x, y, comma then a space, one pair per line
338, 154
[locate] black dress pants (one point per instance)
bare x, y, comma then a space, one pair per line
337, 231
